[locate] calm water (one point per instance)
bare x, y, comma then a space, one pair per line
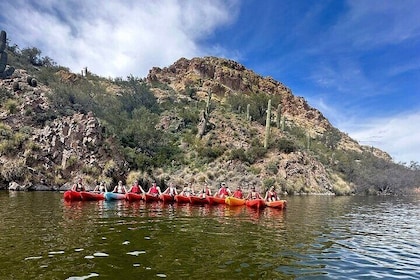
317, 237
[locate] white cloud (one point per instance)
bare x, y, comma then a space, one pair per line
117, 38
376, 22
397, 135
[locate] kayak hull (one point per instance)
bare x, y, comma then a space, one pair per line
233, 201
182, 198
167, 198
198, 200
114, 196
72, 196
92, 196
134, 196
215, 200
279, 204
256, 203
150, 197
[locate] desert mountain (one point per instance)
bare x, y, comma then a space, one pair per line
200, 119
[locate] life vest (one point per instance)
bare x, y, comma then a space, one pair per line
223, 191
153, 190
135, 189
238, 194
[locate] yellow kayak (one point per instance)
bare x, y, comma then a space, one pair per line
233, 201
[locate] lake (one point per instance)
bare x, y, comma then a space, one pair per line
316, 237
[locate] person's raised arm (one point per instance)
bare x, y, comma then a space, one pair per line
266, 196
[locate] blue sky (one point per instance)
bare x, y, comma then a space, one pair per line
357, 61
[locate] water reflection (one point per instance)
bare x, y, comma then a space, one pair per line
315, 237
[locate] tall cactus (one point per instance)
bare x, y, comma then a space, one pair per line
278, 116
5, 70
283, 123
267, 124
248, 117
2, 41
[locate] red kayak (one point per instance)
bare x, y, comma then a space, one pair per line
72, 196
215, 200
150, 197
182, 198
133, 196
198, 200
256, 203
92, 196
167, 198
279, 204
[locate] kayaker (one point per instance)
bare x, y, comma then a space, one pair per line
205, 191
188, 190
223, 191
271, 194
136, 188
171, 190
120, 188
238, 193
253, 194
100, 187
78, 187
154, 190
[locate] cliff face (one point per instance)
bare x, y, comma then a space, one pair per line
39, 151
225, 77
53, 148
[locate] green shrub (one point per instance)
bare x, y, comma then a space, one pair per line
272, 168
72, 162
267, 183
11, 106
250, 156
286, 146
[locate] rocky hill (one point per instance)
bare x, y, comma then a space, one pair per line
212, 109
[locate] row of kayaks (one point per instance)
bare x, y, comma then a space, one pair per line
166, 198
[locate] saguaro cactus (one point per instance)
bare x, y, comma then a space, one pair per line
278, 116
267, 124
5, 70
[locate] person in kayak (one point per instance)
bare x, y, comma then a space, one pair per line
136, 188
238, 193
188, 190
120, 188
154, 190
171, 190
205, 191
78, 187
100, 187
253, 194
223, 191
271, 194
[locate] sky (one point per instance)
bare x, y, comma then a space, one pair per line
358, 61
